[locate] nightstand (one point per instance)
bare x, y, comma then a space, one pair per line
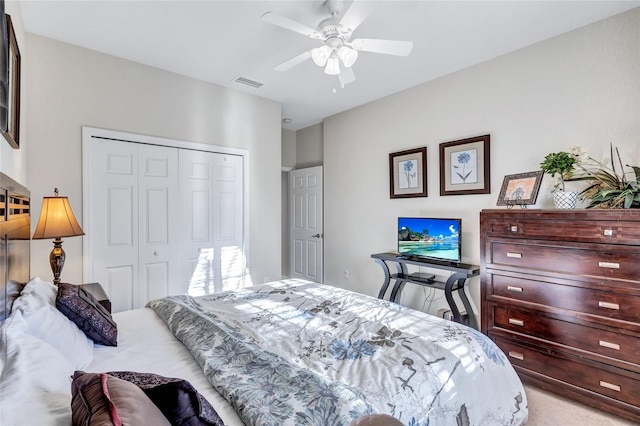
98, 292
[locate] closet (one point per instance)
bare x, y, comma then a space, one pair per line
160, 219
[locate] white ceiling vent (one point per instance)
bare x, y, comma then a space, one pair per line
248, 82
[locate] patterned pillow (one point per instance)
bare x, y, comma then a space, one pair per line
90, 316
101, 399
178, 400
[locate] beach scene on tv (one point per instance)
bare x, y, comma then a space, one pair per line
433, 238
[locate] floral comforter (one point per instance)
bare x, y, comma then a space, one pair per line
299, 353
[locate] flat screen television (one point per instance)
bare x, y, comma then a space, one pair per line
427, 238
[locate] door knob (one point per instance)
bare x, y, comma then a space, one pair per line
316, 236
155, 253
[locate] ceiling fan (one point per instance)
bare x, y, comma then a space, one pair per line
335, 34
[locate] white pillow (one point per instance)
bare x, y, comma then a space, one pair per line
35, 294
35, 379
44, 321
52, 326
30, 362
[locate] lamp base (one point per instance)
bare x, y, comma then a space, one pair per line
56, 259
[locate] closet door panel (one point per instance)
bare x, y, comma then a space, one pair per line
113, 217
227, 219
197, 254
159, 245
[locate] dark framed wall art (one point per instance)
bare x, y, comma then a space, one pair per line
10, 65
464, 166
408, 173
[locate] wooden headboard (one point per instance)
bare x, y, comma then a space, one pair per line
15, 239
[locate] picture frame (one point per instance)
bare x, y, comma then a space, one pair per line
12, 92
464, 166
408, 173
520, 189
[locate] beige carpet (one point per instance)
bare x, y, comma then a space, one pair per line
549, 409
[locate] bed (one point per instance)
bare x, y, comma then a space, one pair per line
289, 352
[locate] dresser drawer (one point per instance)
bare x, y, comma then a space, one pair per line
622, 347
575, 259
611, 229
589, 301
617, 384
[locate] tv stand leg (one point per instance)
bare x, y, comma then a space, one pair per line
387, 278
471, 318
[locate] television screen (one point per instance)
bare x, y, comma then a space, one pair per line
430, 238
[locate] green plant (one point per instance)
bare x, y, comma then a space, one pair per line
609, 187
560, 163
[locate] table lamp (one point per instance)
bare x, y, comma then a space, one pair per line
56, 221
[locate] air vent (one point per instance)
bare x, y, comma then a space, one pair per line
248, 82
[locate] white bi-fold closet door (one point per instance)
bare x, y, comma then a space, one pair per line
161, 220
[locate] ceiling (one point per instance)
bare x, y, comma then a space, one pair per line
218, 41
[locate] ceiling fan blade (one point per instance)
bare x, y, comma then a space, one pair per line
293, 61
346, 76
290, 24
388, 47
355, 14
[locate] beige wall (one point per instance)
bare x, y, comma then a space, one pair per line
13, 162
309, 146
288, 148
69, 87
582, 88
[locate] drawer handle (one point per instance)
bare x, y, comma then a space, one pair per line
610, 265
608, 305
515, 289
607, 232
513, 228
609, 345
609, 386
514, 255
516, 355
516, 322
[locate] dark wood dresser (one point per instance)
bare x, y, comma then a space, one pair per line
561, 297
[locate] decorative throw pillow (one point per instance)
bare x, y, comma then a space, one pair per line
101, 399
90, 316
178, 400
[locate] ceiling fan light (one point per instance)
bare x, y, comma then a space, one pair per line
347, 55
333, 66
320, 55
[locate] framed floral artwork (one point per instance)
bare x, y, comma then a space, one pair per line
408, 173
464, 166
520, 189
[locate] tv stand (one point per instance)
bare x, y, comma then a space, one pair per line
455, 282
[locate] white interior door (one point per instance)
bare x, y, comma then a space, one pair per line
159, 245
161, 217
212, 254
111, 220
305, 200
227, 221
197, 273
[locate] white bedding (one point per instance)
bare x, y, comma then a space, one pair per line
35, 385
146, 345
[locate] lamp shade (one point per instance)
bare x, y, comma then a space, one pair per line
347, 55
320, 55
56, 220
333, 65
